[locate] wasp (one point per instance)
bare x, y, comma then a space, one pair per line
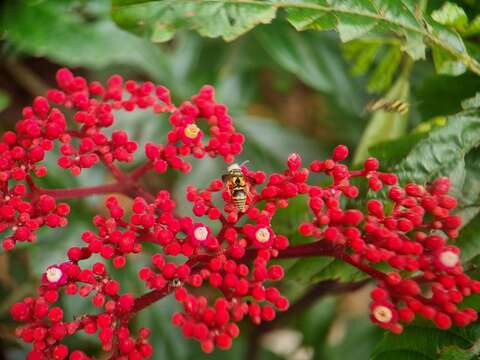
238, 186
397, 106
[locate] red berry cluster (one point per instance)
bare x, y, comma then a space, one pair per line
23, 218
185, 138
409, 232
84, 142
228, 247
46, 326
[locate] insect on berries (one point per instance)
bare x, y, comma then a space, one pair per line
238, 186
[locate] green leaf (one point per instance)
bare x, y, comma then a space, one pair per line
451, 14
203, 172
456, 353
48, 249
315, 59
414, 46
4, 100
306, 19
350, 24
355, 337
445, 63
471, 103
351, 18
315, 323
468, 195
287, 220
441, 95
303, 270
227, 19
383, 75
473, 28
427, 126
444, 60
338, 269
390, 153
423, 342
276, 142
167, 342
469, 240
50, 28
297, 54
362, 53
384, 125
445, 146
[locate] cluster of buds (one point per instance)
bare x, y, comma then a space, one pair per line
46, 324
84, 143
408, 231
229, 241
24, 218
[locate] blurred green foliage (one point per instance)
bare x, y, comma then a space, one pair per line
288, 90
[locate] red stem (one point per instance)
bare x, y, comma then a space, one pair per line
115, 171
318, 248
149, 298
30, 183
355, 173
141, 170
362, 266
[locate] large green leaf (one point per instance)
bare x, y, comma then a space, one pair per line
315, 58
49, 28
390, 153
231, 18
158, 20
423, 342
442, 95
445, 146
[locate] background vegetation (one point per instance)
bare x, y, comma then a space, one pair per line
299, 83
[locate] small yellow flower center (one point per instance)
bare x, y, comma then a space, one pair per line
262, 235
54, 274
382, 314
200, 233
191, 131
449, 258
